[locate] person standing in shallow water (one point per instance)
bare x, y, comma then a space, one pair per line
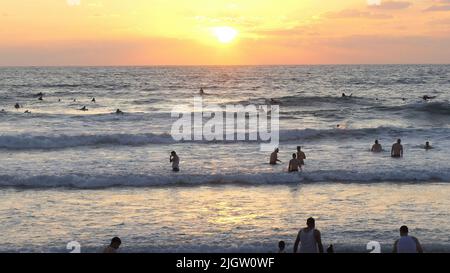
376, 148
301, 156
175, 160
397, 149
274, 157
294, 164
309, 238
406, 243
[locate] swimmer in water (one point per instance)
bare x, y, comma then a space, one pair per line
93, 100
40, 94
17, 106
201, 92
119, 112
376, 148
84, 108
427, 146
397, 149
274, 157
40, 98
345, 96
27, 112
426, 97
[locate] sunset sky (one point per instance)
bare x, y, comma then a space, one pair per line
221, 32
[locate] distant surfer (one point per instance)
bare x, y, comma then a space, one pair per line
294, 164
201, 92
274, 157
17, 106
397, 149
376, 148
84, 108
27, 112
426, 97
428, 146
40, 94
93, 100
40, 98
119, 112
301, 156
175, 160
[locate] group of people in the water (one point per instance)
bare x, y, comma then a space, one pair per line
295, 164
40, 96
397, 148
309, 240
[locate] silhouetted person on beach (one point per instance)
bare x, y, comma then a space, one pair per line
397, 149
114, 246
281, 247
175, 160
301, 156
274, 157
406, 243
309, 238
376, 148
330, 249
17, 106
294, 164
427, 146
426, 97
84, 108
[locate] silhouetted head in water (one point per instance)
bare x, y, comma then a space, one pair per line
299, 148
17, 106
376, 141
404, 231
115, 243
118, 111
427, 145
294, 156
281, 246
311, 223
399, 141
343, 95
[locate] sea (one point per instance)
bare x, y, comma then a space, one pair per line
86, 176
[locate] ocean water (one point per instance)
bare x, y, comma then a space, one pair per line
90, 175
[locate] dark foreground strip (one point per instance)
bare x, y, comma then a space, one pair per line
223, 262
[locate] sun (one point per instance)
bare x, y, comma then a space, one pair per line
225, 35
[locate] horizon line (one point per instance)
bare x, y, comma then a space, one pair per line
216, 65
